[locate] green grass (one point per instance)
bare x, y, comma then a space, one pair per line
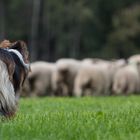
88, 118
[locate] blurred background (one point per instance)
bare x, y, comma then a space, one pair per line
73, 29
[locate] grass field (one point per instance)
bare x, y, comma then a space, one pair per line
88, 118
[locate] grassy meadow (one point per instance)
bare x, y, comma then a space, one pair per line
87, 118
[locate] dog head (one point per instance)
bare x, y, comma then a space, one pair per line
22, 48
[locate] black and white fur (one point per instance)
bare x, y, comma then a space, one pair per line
9, 87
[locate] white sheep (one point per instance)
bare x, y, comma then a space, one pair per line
64, 76
127, 80
40, 78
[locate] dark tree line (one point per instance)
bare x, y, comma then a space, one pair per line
77, 29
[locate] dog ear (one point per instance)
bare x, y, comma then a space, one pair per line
22, 48
5, 44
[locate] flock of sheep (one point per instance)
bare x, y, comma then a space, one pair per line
90, 76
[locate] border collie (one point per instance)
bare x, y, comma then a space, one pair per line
14, 68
